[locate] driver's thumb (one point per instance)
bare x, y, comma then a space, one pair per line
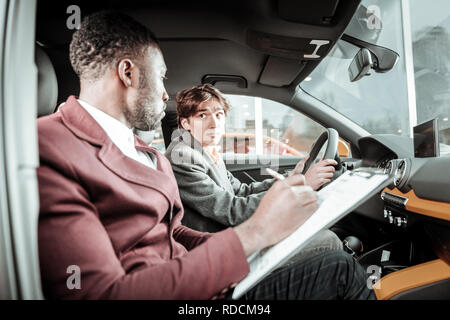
301, 165
305, 159
295, 180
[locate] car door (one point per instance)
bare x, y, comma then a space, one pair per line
19, 204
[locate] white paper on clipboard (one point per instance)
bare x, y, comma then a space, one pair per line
335, 201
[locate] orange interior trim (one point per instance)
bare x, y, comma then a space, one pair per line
343, 149
436, 209
410, 278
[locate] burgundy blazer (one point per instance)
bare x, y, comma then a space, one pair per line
119, 221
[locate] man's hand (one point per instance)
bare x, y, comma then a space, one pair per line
318, 174
285, 207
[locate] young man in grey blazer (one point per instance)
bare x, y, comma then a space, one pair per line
213, 198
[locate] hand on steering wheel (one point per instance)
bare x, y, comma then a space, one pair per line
318, 174
330, 152
321, 173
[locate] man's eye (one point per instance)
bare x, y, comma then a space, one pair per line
220, 115
203, 116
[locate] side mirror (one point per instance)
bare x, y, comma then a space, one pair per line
361, 65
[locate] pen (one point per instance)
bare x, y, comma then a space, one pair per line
278, 176
275, 174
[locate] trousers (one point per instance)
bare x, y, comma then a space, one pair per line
324, 240
327, 275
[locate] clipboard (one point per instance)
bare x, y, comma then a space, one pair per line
335, 200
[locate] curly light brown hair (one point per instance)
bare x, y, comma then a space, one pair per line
104, 38
188, 100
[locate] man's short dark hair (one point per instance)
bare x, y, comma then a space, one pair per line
104, 38
188, 100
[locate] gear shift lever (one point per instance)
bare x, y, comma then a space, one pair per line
353, 246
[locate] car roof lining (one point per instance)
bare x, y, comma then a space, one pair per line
199, 38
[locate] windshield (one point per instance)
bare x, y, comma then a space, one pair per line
417, 89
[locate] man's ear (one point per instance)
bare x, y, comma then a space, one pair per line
126, 70
185, 124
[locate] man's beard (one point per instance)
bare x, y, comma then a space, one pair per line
143, 116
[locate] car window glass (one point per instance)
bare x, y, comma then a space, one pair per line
379, 102
260, 126
414, 91
430, 35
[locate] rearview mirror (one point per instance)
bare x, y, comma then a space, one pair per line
379, 58
360, 66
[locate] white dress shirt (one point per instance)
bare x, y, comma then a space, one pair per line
120, 134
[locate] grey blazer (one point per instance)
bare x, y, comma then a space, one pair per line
212, 197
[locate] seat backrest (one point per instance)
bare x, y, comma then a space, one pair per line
169, 123
47, 83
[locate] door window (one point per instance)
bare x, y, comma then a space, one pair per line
264, 127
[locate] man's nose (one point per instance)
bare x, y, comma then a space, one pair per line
213, 123
165, 96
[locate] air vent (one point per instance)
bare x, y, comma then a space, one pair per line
389, 167
400, 173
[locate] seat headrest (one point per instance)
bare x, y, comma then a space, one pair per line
47, 83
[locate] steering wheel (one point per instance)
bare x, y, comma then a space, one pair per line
331, 151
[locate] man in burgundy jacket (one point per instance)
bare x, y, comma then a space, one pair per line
110, 207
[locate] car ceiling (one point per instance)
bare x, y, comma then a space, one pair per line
263, 42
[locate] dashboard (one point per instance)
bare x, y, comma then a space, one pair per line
419, 185
428, 177
418, 197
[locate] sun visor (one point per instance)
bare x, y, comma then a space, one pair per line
280, 72
288, 47
308, 12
